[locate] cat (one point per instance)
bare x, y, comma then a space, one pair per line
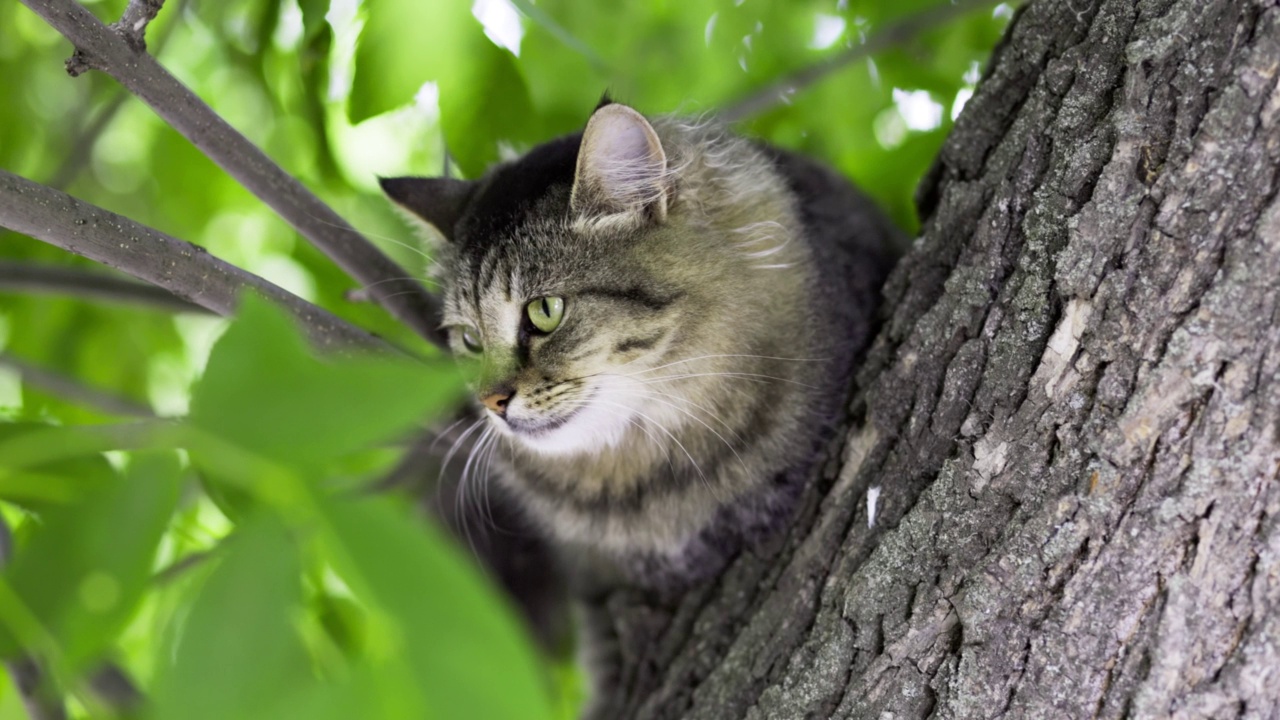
663, 318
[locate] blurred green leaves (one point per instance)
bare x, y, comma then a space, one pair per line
238, 653
689, 57
406, 626
78, 574
483, 99
265, 392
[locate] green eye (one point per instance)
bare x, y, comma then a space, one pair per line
545, 313
470, 340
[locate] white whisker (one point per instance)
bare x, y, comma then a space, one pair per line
704, 424
738, 355
744, 376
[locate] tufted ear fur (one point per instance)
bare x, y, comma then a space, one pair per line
437, 201
622, 168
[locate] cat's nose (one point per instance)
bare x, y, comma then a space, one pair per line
497, 399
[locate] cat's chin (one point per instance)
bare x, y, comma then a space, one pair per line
583, 431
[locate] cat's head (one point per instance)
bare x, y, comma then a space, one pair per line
574, 274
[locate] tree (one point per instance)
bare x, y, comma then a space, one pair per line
1055, 495
1058, 495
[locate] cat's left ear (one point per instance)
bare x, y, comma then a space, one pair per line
439, 202
622, 168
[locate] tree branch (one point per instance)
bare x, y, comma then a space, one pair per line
184, 269
783, 89
60, 280
97, 46
73, 389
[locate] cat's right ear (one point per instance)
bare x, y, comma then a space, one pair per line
439, 202
622, 168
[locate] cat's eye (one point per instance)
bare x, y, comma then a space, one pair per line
545, 313
470, 339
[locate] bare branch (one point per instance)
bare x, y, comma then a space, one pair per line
82, 147
187, 562
40, 702
73, 390
785, 88
111, 685
97, 46
61, 280
184, 269
133, 24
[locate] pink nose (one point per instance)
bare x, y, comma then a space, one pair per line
497, 401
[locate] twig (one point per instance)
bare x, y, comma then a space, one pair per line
41, 702
97, 46
184, 269
783, 89
114, 688
180, 567
73, 390
82, 148
62, 280
558, 31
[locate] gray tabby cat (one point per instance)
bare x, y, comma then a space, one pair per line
665, 318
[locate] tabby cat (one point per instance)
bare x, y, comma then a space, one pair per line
665, 317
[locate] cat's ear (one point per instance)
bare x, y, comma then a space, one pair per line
622, 168
437, 201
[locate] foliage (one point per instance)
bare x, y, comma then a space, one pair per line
303, 597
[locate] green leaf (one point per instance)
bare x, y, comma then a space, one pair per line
85, 566
467, 651
238, 652
313, 12
31, 446
265, 392
483, 98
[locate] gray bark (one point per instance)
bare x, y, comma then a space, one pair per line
34, 278
1069, 421
187, 271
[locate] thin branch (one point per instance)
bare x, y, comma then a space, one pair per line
82, 147
785, 88
99, 47
541, 17
180, 267
41, 703
73, 390
62, 280
115, 688
180, 567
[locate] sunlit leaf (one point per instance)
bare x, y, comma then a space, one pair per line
460, 639
265, 391
84, 568
237, 650
313, 12
482, 95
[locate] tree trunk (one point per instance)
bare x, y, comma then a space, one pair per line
1057, 495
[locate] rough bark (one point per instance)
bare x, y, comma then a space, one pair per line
1058, 493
